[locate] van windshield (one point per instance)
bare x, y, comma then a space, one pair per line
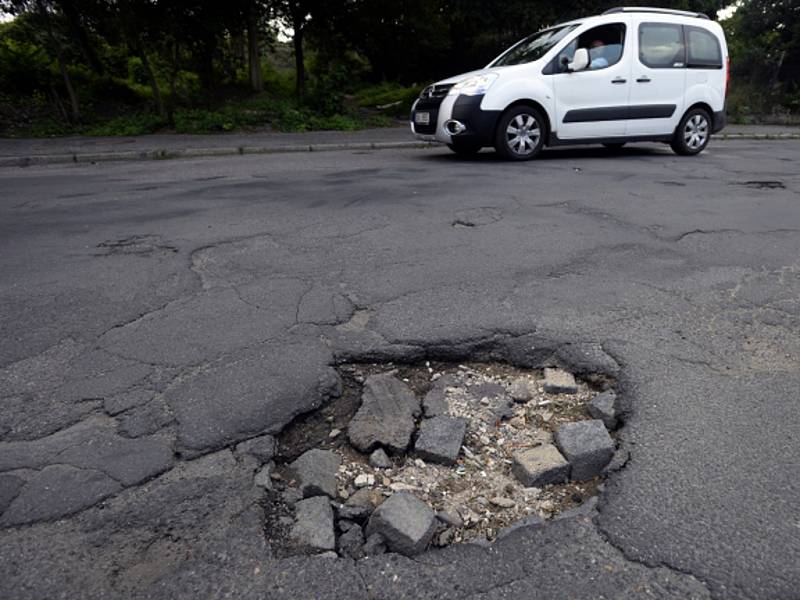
533, 47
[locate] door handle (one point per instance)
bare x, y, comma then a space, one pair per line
643, 79
619, 80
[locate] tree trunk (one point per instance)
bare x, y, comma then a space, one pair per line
299, 61
151, 77
173, 83
253, 49
79, 32
62, 66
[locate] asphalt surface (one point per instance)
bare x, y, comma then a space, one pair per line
153, 314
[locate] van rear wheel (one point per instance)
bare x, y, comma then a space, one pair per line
693, 132
520, 133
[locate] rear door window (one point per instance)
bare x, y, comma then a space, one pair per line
661, 46
704, 50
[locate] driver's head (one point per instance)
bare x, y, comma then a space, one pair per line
597, 44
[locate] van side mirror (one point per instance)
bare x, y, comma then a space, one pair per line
580, 61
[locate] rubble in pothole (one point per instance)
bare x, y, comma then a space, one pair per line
466, 453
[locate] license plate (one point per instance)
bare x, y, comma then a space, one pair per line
422, 118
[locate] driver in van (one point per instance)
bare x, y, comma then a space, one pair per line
596, 58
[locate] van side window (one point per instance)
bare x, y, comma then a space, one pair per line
661, 46
604, 43
704, 50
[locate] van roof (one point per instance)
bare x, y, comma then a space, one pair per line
650, 9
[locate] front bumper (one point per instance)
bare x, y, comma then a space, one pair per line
479, 125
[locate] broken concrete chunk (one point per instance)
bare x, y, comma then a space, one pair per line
262, 478
313, 527
406, 523
604, 407
380, 460
440, 439
543, 465
386, 416
261, 447
587, 446
351, 543
557, 381
435, 402
316, 470
374, 545
520, 390
354, 513
365, 497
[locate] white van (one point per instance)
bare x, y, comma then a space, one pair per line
632, 74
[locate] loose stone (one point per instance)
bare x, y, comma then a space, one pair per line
316, 470
262, 447
557, 381
451, 518
529, 521
351, 543
380, 460
374, 545
313, 526
520, 391
587, 446
263, 478
406, 523
364, 480
603, 407
543, 465
503, 502
440, 439
365, 497
386, 416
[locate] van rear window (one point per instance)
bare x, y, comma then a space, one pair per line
704, 50
661, 46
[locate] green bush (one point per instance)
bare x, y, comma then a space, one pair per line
136, 124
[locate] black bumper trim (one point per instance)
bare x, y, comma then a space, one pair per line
720, 121
480, 124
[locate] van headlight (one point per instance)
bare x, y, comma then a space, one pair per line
474, 86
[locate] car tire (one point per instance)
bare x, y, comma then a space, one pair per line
693, 133
520, 134
614, 146
465, 149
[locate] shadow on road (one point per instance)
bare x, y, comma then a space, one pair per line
488, 155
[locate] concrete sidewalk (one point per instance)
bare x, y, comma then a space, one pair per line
23, 152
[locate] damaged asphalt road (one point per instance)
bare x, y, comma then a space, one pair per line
153, 315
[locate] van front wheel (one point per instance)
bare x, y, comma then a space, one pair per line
520, 133
693, 132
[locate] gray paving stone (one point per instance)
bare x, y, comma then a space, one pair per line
558, 381
405, 522
386, 416
540, 466
604, 407
313, 527
316, 471
587, 446
440, 439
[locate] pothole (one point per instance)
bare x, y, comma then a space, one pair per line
433, 454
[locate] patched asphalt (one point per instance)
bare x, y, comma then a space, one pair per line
155, 314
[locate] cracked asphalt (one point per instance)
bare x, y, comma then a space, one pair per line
153, 315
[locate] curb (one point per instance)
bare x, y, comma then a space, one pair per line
78, 158
89, 157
